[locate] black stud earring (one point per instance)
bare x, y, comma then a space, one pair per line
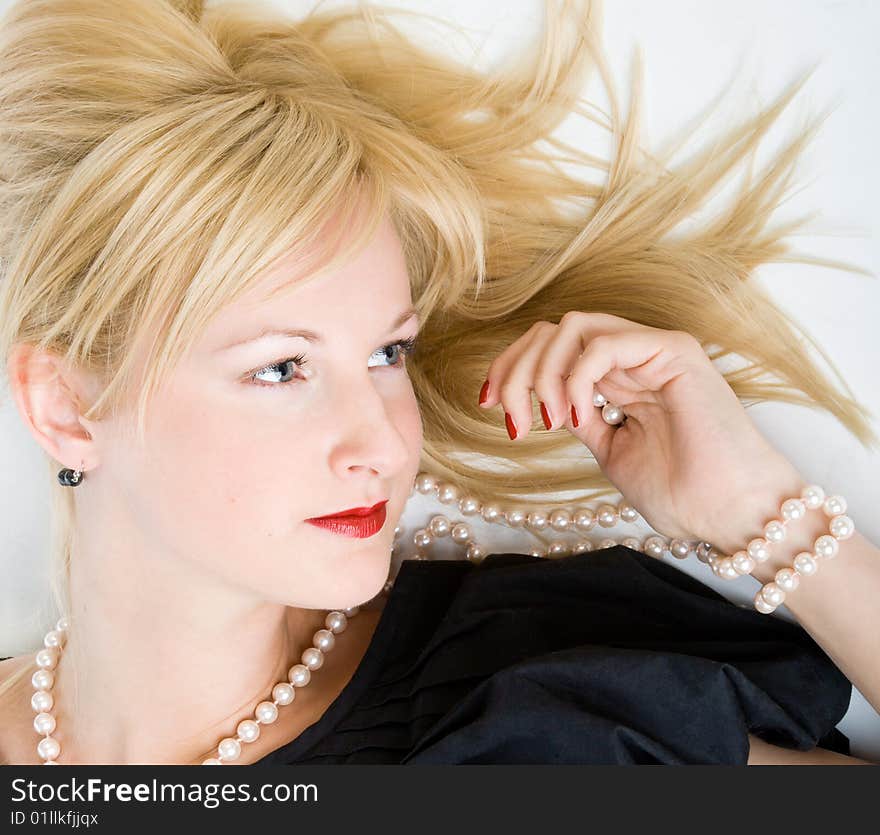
70, 478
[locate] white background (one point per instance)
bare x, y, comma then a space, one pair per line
692, 48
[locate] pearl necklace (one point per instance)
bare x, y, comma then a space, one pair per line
580, 519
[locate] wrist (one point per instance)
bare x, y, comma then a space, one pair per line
759, 503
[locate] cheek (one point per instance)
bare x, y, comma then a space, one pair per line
223, 490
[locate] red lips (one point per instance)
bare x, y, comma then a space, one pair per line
359, 525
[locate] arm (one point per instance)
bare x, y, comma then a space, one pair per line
838, 606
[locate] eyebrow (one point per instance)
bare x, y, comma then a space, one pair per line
311, 336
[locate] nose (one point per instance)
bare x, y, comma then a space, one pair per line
369, 437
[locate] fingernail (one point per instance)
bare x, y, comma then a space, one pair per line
545, 417
574, 416
484, 393
511, 426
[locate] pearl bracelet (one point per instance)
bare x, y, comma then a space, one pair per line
772, 594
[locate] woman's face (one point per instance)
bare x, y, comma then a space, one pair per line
243, 446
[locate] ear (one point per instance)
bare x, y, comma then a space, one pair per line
49, 394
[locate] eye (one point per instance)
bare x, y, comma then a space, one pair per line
282, 370
405, 348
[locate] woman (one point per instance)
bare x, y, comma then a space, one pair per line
210, 218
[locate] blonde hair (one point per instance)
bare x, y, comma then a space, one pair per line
156, 158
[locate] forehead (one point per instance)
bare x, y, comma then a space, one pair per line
361, 293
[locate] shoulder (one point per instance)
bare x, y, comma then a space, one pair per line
16, 715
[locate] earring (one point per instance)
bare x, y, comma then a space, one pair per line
70, 478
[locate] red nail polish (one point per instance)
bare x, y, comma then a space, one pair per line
574, 416
511, 427
484, 392
545, 417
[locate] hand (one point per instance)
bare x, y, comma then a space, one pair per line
687, 457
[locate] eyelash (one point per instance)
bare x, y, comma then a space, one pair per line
407, 349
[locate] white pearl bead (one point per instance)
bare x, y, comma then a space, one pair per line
425, 483
743, 563
627, 512
351, 611
560, 520
336, 622
491, 513
386, 589
655, 546
43, 679
703, 549
54, 638
47, 658
248, 730
632, 542
774, 595
762, 605
537, 520
266, 713
826, 547
834, 505
813, 496
460, 533
422, 538
516, 517
557, 549
283, 693
44, 723
792, 510
607, 516
536, 552
715, 556
598, 400
787, 580
608, 542
474, 552
805, 564
49, 748
842, 527
62, 624
212, 761
469, 505
229, 748
397, 530
439, 526
584, 519
299, 675
679, 549
42, 701
774, 531
757, 549
447, 493
612, 414
726, 569
313, 658
324, 640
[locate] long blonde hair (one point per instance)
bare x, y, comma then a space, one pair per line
157, 156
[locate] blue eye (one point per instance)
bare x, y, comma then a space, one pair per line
284, 368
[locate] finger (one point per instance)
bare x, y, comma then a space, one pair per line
515, 388
642, 353
499, 367
561, 353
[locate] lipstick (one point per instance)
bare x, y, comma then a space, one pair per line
357, 522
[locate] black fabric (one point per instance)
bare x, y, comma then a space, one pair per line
605, 657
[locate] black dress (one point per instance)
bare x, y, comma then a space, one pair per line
606, 657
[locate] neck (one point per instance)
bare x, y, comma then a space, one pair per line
163, 659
